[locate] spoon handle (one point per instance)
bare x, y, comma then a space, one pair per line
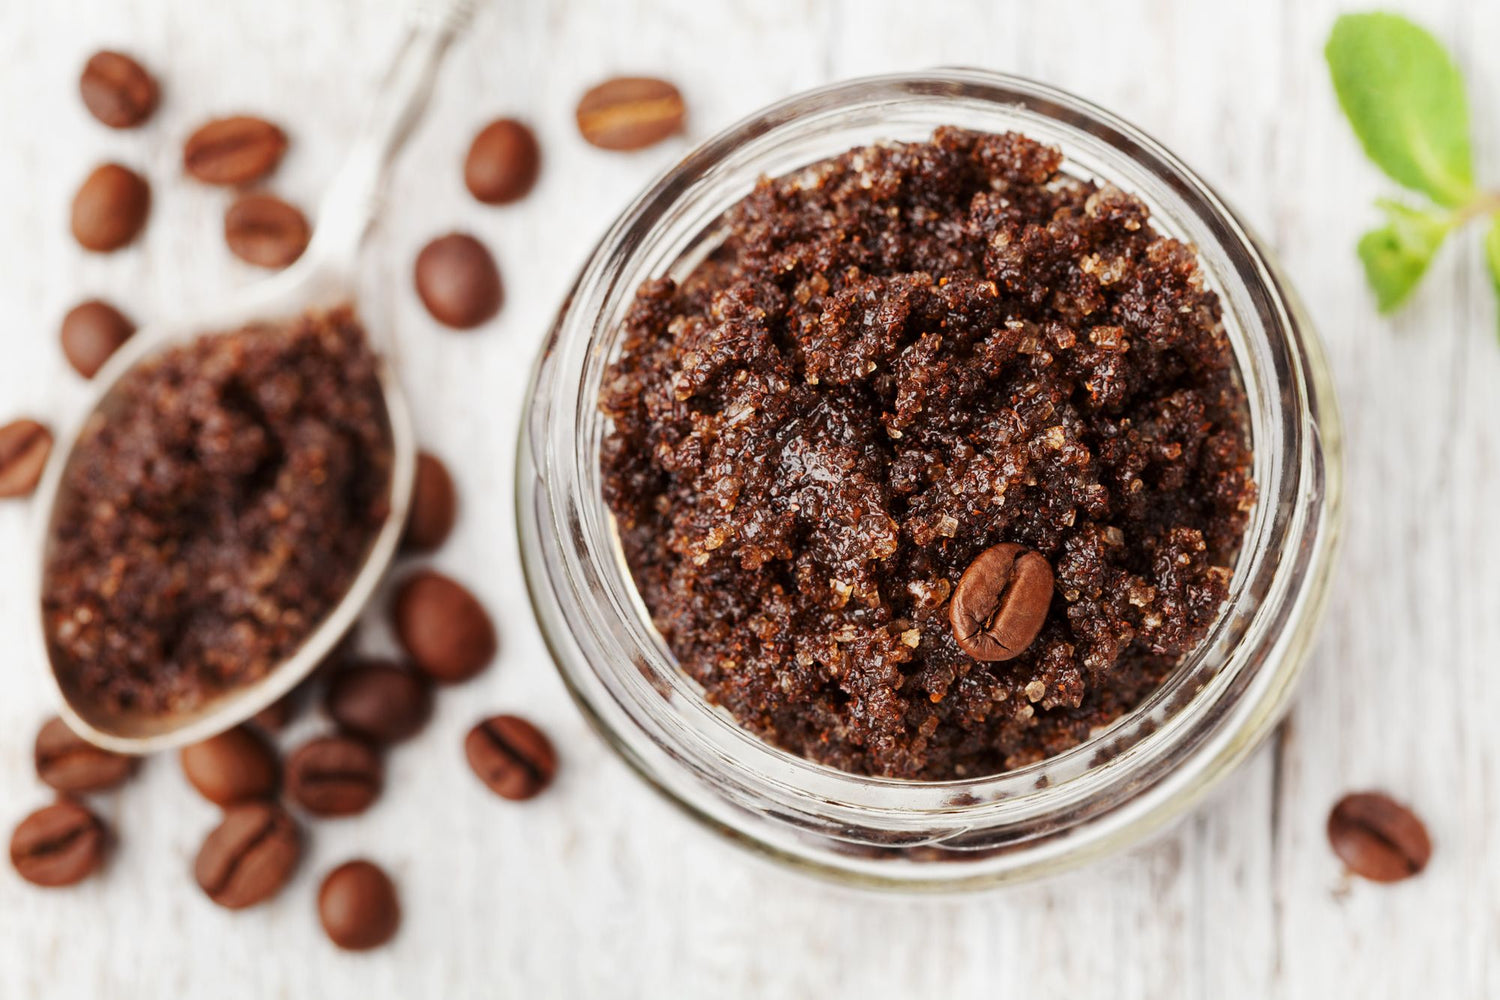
353, 198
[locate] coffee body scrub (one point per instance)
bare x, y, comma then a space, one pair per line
937, 465
214, 511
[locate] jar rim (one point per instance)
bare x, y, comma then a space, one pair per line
621, 671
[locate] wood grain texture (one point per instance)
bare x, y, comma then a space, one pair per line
598, 889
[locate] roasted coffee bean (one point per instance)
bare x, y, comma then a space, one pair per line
110, 208
503, 162
445, 630
434, 504
275, 716
70, 763
1001, 602
264, 230
1378, 838
24, 447
58, 845
334, 776
630, 112
510, 755
91, 332
379, 701
358, 906
235, 766
238, 150
458, 281
117, 90
249, 856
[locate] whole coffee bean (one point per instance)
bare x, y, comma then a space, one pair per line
264, 230
278, 715
234, 766
117, 90
358, 906
70, 763
434, 504
1001, 602
334, 776
24, 447
510, 755
379, 701
458, 281
1378, 838
630, 112
444, 629
249, 856
91, 332
110, 208
58, 844
237, 150
503, 162
275, 716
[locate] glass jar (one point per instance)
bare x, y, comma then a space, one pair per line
1142, 771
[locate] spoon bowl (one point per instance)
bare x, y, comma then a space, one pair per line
296, 291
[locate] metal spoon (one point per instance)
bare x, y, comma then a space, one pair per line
323, 277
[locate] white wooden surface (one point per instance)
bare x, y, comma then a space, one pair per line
599, 889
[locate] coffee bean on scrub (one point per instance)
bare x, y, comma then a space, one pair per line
1000, 602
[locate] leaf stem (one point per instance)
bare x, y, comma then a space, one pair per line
1483, 203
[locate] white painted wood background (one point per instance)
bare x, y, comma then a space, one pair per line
599, 889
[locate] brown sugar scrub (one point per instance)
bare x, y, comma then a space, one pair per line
898, 360
215, 511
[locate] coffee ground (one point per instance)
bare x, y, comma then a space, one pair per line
216, 513
899, 358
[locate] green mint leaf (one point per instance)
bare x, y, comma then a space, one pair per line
1397, 254
1405, 99
1492, 253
